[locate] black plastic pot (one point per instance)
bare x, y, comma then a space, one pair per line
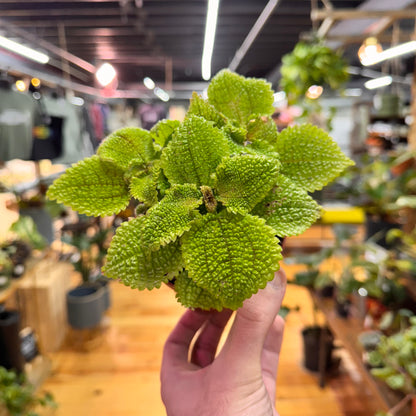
343, 308
326, 291
10, 345
316, 338
377, 228
85, 306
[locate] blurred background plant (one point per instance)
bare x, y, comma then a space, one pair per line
19, 397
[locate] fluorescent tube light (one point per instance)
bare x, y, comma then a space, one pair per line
390, 53
148, 83
378, 82
162, 94
210, 28
25, 51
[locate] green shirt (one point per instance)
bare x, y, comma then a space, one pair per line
18, 112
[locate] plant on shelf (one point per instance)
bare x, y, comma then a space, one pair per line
214, 192
89, 239
87, 302
370, 272
317, 276
394, 362
386, 195
18, 396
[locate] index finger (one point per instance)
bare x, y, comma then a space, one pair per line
176, 348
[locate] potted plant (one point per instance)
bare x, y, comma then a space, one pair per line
312, 65
385, 195
19, 398
394, 362
87, 302
214, 192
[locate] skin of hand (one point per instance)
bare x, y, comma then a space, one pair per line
241, 379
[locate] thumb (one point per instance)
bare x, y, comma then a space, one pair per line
252, 323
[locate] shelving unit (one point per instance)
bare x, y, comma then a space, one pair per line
347, 331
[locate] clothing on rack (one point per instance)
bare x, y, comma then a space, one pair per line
18, 114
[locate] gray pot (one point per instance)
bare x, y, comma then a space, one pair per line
85, 305
104, 282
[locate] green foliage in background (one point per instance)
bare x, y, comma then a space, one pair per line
18, 396
311, 63
395, 359
214, 191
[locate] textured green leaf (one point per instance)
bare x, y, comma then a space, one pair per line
262, 129
200, 107
172, 216
162, 131
288, 209
244, 180
309, 157
92, 187
190, 295
238, 98
127, 144
144, 189
136, 266
195, 151
237, 134
231, 255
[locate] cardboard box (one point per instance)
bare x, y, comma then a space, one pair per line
41, 299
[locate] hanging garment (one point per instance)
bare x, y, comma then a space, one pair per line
73, 148
18, 114
47, 139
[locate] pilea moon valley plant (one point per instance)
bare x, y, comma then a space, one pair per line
213, 192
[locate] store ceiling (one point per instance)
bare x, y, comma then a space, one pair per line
160, 39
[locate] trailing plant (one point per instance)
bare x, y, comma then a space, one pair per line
394, 360
311, 63
214, 192
18, 396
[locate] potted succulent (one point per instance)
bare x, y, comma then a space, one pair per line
214, 192
394, 362
87, 302
19, 398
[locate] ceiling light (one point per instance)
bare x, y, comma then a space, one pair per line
314, 92
378, 82
353, 92
210, 28
77, 101
369, 50
35, 82
23, 50
393, 52
162, 94
105, 74
148, 83
20, 85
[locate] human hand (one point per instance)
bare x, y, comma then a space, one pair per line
241, 380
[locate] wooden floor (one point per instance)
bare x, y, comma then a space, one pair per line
115, 371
